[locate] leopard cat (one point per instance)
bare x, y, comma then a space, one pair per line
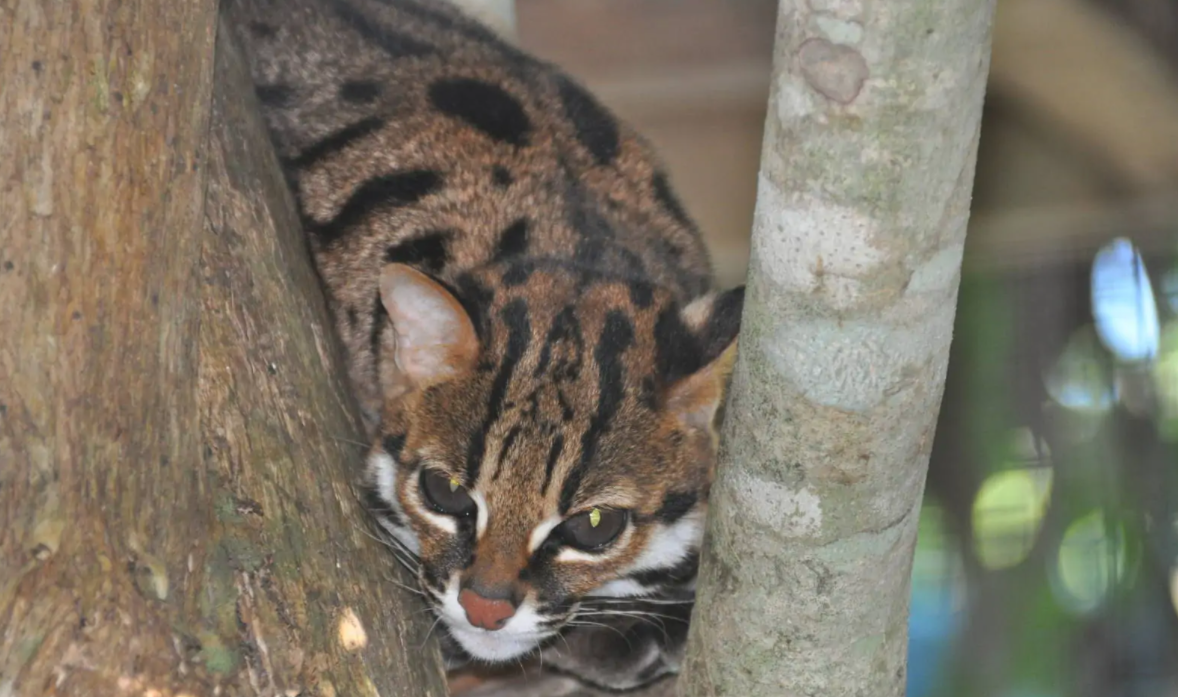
529, 322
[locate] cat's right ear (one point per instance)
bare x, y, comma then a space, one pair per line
715, 321
434, 337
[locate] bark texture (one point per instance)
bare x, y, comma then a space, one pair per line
867, 168
177, 513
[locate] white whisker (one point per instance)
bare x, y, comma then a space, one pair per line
654, 620
340, 439
637, 600
586, 623
403, 556
431, 631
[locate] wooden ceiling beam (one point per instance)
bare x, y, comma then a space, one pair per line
1078, 68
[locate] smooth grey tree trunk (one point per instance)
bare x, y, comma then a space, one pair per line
866, 173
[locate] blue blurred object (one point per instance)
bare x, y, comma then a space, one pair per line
1080, 379
933, 622
1123, 303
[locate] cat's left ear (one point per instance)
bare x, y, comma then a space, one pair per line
434, 337
714, 320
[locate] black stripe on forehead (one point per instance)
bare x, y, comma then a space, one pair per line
565, 329
616, 336
515, 317
553, 457
503, 450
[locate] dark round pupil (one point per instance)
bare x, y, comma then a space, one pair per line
445, 499
580, 532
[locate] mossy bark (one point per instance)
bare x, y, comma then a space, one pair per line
177, 455
866, 174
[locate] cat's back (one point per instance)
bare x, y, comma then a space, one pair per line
411, 133
403, 119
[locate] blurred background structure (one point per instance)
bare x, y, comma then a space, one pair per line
1047, 564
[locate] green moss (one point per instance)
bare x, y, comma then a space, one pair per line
241, 554
218, 602
289, 554
215, 655
226, 509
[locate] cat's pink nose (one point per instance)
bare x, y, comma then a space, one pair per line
484, 612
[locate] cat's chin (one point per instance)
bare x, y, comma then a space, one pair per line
493, 647
521, 634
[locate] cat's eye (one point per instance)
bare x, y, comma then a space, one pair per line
593, 529
446, 495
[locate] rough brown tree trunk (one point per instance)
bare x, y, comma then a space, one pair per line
866, 174
177, 513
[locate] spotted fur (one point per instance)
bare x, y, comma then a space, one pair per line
525, 305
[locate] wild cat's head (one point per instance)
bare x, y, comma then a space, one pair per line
547, 441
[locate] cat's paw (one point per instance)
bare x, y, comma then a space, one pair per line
638, 646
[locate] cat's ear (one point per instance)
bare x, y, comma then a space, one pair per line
433, 335
714, 320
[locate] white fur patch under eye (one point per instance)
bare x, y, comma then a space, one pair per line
541, 533
621, 588
414, 498
481, 513
670, 544
570, 555
383, 470
444, 523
